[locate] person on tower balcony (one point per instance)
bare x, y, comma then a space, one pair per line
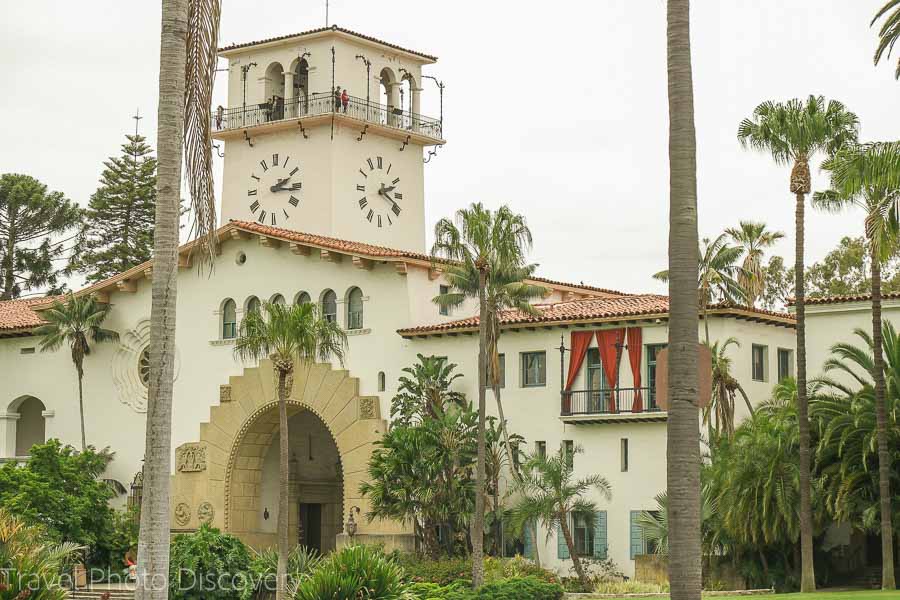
345, 99
337, 99
220, 115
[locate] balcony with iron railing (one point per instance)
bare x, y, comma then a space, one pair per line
610, 405
323, 104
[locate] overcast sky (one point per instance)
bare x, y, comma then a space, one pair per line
556, 108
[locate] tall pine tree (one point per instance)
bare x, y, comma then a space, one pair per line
118, 230
34, 224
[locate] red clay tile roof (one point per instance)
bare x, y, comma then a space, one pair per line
847, 298
20, 314
323, 29
598, 309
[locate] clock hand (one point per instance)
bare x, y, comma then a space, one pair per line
280, 184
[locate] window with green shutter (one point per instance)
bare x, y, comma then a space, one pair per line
528, 541
637, 535
562, 550
600, 544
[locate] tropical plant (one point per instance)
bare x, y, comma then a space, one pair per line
683, 433
77, 323
207, 564
498, 462
427, 392
30, 561
753, 238
284, 333
355, 572
865, 176
33, 226
792, 133
189, 36
263, 570
889, 32
489, 243
655, 524
718, 415
60, 489
851, 447
421, 474
718, 275
551, 495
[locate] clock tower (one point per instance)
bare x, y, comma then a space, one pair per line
323, 134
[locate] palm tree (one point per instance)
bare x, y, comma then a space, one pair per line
426, 393
683, 433
507, 288
864, 176
189, 36
283, 334
793, 132
754, 239
481, 240
724, 385
889, 32
76, 322
551, 495
718, 275
655, 524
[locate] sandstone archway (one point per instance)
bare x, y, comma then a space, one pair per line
217, 479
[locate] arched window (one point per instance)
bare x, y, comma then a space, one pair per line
329, 306
229, 320
253, 305
390, 95
302, 298
30, 426
277, 299
381, 381
355, 309
273, 102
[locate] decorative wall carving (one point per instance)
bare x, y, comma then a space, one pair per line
205, 512
224, 394
182, 514
190, 458
367, 408
125, 373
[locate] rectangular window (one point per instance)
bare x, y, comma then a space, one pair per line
29, 350
785, 363
534, 369
652, 352
443, 308
759, 358
540, 449
583, 532
569, 453
501, 372
623, 450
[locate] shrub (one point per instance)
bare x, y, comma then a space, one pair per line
629, 587
352, 573
30, 563
448, 570
207, 564
302, 561
515, 588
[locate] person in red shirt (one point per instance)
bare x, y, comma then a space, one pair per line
345, 99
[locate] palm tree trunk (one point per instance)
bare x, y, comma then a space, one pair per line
683, 443
807, 572
153, 544
284, 482
80, 371
884, 457
478, 520
576, 561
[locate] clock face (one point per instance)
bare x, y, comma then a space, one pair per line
379, 192
274, 191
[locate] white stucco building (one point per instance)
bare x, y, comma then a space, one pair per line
325, 203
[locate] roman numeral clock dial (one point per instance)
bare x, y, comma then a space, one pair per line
273, 194
379, 192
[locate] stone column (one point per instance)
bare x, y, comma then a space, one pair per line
393, 98
290, 108
8, 434
415, 106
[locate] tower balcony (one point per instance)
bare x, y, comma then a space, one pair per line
315, 108
619, 405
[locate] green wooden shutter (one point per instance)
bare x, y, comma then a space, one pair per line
600, 535
562, 550
529, 542
637, 535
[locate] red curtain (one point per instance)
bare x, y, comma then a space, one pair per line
635, 345
607, 339
579, 347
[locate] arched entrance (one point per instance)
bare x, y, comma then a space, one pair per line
24, 426
229, 477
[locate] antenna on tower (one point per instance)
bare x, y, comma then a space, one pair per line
326, 13
137, 119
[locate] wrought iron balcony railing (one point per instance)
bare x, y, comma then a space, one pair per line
319, 104
608, 402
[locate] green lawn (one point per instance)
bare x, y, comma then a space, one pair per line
865, 595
